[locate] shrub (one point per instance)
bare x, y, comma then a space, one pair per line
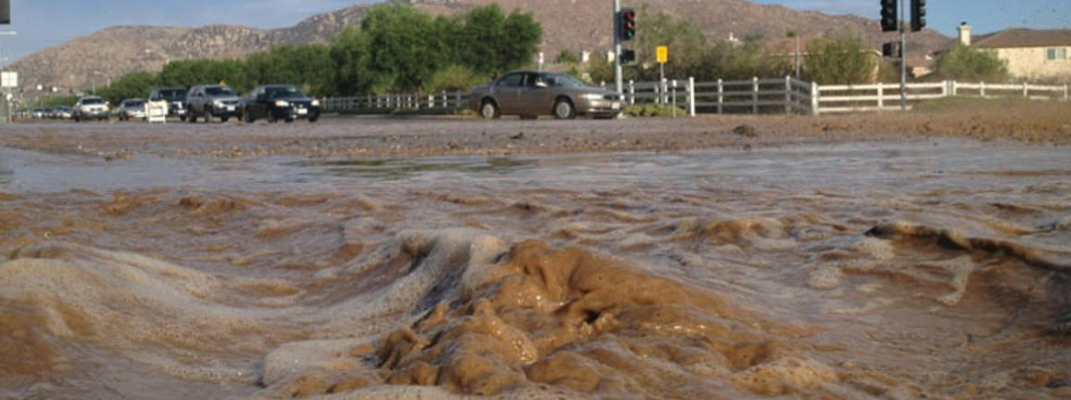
970, 64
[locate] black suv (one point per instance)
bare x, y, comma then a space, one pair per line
175, 98
285, 102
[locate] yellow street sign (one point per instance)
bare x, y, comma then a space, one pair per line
663, 54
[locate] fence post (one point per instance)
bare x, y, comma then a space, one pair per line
691, 96
662, 93
982, 90
955, 89
755, 95
631, 92
721, 95
881, 96
814, 100
673, 97
1026, 90
1065, 91
788, 95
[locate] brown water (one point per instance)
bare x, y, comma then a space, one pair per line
868, 271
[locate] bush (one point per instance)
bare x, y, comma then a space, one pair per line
652, 110
566, 57
966, 63
841, 61
456, 78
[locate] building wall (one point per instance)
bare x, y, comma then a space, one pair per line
1032, 63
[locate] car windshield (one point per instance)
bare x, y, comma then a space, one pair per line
134, 103
93, 101
219, 91
563, 80
283, 92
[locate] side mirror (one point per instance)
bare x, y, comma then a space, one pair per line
541, 85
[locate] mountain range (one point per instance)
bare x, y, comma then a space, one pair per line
576, 25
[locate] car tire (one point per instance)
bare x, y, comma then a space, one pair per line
489, 110
225, 119
191, 118
248, 116
290, 120
312, 120
182, 118
207, 115
272, 118
564, 109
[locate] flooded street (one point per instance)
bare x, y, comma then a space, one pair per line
881, 268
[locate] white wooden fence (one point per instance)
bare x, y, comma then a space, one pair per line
755, 96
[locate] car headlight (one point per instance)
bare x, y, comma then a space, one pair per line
591, 96
217, 103
315, 103
282, 103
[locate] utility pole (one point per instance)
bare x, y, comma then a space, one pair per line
617, 49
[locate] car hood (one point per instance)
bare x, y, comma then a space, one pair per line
224, 98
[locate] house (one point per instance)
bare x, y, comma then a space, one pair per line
1031, 54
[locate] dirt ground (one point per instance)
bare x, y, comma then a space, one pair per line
1038, 122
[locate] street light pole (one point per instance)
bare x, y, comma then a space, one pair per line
903, 58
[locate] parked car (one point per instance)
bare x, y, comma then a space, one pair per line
63, 112
530, 94
39, 113
175, 98
131, 109
90, 107
280, 102
207, 101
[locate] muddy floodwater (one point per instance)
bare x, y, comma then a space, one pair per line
878, 269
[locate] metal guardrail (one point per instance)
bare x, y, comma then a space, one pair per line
783, 95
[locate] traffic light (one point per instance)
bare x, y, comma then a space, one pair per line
626, 23
5, 12
891, 49
889, 19
918, 15
627, 56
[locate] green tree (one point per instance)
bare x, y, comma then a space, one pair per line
455, 78
310, 67
405, 51
687, 44
970, 64
493, 43
56, 101
135, 85
351, 56
841, 61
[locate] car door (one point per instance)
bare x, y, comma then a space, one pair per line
193, 101
537, 97
507, 93
260, 103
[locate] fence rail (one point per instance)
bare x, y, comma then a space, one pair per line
783, 95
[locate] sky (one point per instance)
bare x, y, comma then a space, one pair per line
43, 23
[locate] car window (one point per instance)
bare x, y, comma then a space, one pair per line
92, 101
564, 80
219, 91
283, 92
538, 80
511, 80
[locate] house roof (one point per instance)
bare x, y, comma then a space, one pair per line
1022, 37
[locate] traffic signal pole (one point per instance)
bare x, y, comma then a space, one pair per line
618, 79
903, 57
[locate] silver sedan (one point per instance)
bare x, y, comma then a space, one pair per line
530, 94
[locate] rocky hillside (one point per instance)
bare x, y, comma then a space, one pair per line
568, 24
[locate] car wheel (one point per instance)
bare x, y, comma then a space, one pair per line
489, 110
191, 118
207, 115
182, 118
289, 119
224, 119
271, 117
312, 120
248, 116
563, 109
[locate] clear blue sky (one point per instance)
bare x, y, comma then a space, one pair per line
43, 23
